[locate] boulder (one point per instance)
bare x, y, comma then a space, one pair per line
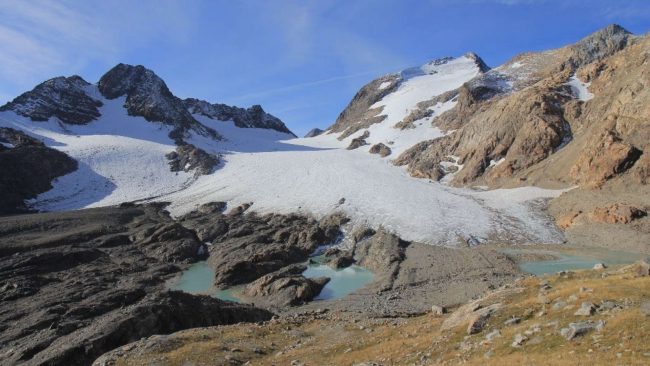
438, 310
579, 329
285, 287
380, 149
587, 309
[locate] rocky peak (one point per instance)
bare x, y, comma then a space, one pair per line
599, 45
252, 117
314, 132
148, 96
478, 61
62, 97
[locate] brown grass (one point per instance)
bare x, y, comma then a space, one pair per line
340, 341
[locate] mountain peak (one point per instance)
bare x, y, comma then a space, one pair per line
478, 60
600, 44
61, 97
148, 96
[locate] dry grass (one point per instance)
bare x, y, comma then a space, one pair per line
338, 340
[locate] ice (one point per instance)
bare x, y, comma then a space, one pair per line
580, 89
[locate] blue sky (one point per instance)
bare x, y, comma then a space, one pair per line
301, 60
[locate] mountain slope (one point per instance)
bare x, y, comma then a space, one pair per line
130, 136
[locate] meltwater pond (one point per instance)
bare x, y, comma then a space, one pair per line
582, 258
342, 281
198, 279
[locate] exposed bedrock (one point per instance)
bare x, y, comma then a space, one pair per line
285, 287
28, 168
74, 285
246, 246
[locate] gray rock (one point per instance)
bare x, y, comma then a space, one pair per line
61, 97
512, 321
357, 142
492, 335
579, 329
285, 287
314, 132
587, 309
253, 117
85, 282
147, 95
518, 340
438, 310
27, 169
380, 149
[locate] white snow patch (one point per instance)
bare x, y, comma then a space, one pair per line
516, 65
494, 163
446, 165
580, 89
384, 85
7, 145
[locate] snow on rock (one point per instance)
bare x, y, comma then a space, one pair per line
580, 89
121, 158
425, 82
384, 85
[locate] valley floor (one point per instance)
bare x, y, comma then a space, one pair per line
613, 331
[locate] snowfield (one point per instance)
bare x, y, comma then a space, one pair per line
122, 158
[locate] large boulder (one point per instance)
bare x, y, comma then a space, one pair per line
285, 287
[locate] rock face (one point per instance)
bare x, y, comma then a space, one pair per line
250, 245
77, 284
253, 117
358, 114
380, 149
61, 97
357, 142
529, 121
147, 95
28, 168
314, 132
285, 287
188, 157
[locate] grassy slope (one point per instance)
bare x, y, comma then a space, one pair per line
336, 339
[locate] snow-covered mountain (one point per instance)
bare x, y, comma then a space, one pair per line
128, 133
451, 121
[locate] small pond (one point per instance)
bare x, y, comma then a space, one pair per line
584, 258
197, 279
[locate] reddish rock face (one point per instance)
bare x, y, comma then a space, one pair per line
603, 160
617, 213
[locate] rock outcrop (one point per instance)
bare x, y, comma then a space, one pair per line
380, 149
77, 284
61, 97
314, 132
285, 287
532, 114
252, 245
28, 168
253, 117
188, 157
147, 96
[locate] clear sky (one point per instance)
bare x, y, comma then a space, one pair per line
301, 60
